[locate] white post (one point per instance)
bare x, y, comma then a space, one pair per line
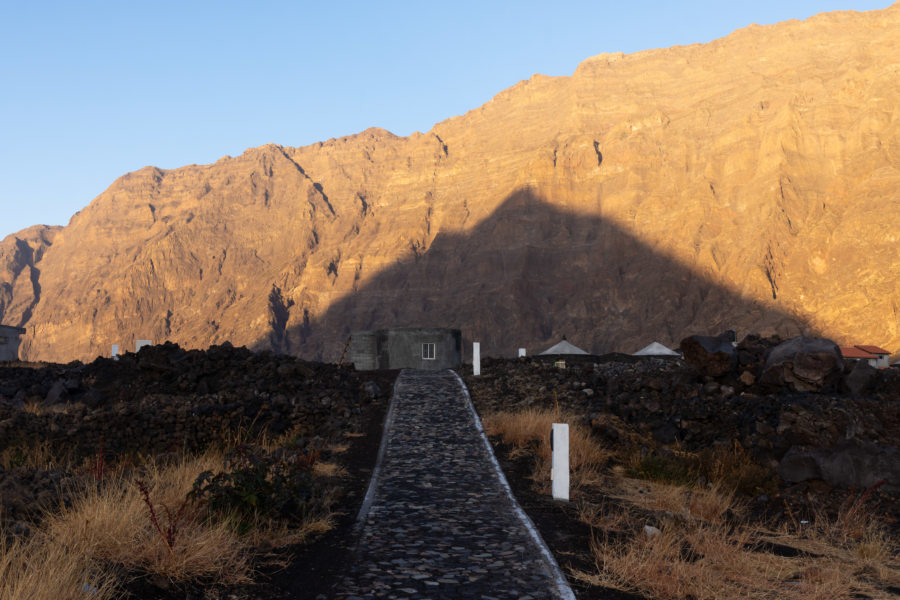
559, 471
521, 352
115, 352
138, 344
476, 358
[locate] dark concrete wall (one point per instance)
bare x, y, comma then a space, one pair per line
363, 350
401, 348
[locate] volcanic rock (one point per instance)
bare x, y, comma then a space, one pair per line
804, 364
860, 378
713, 356
853, 463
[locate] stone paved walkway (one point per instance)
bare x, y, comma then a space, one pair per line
440, 522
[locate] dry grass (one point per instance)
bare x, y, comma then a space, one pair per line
38, 570
529, 430
265, 535
730, 467
35, 454
705, 551
707, 504
700, 561
36, 408
112, 523
328, 469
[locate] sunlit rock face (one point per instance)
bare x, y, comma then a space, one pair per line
750, 183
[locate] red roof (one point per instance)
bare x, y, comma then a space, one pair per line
855, 352
872, 349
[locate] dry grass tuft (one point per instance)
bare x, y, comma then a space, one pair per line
37, 569
328, 469
712, 504
530, 430
112, 523
35, 407
266, 535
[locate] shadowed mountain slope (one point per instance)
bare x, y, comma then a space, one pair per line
765, 164
531, 273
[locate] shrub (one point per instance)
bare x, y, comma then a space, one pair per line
275, 484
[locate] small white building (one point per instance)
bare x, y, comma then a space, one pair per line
875, 356
10, 338
881, 355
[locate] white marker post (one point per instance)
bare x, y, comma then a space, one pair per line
138, 344
476, 358
559, 471
115, 352
521, 352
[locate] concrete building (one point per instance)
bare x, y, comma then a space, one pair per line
428, 348
9, 342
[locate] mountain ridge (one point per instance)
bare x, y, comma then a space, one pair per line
760, 161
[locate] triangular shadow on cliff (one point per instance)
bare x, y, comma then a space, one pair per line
530, 274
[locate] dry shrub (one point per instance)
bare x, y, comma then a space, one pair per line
530, 430
112, 522
38, 569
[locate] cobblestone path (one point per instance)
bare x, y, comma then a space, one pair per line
440, 521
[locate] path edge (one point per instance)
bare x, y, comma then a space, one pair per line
376, 471
562, 585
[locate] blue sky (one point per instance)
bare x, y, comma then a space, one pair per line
92, 90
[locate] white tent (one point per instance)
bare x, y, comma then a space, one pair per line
655, 349
563, 347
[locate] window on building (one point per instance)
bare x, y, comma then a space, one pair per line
3, 339
428, 351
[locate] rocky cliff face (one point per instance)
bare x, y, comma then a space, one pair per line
20, 275
749, 183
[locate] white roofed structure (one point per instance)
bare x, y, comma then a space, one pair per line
563, 347
655, 349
